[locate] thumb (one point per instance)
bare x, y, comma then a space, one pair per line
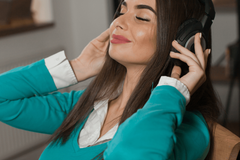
176, 72
104, 36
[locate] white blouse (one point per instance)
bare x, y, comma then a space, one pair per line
63, 76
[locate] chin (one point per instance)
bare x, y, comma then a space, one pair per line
115, 56
127, 60
120, 61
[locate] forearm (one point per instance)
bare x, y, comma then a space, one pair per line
26, 81
44, 76
25, 98
149, 133
159, 131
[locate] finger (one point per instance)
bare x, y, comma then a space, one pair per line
104, 36
176, 72
190, 62
184, 51
198, 50
206, 53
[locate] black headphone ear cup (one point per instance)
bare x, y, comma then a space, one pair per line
185, 25
188, 29
185, 37
183, 31
190, 43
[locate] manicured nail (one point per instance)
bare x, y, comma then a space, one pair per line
200, 35
173, 53
209, 51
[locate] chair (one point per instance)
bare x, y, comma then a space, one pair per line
226, 144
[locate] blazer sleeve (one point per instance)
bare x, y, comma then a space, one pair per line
161, 130
29, 99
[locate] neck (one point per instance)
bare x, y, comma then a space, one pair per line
132, 77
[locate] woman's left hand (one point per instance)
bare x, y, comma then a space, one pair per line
197, 64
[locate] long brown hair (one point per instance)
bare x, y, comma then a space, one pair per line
170, 14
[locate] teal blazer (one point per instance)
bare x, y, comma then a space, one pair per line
161, 130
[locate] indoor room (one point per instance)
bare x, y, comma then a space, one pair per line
33, 31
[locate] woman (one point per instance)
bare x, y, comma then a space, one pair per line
137, 107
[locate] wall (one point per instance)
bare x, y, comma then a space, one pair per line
75, 26
224, 33
90, 19
78, 22
17, 47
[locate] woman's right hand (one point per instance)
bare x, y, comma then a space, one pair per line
91, 60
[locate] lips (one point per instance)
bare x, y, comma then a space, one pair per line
119, 39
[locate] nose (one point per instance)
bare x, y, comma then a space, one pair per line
122, 21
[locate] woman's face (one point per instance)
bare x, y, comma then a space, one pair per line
142, 34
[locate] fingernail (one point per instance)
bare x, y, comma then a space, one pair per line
175, 41
200, 35
209, 51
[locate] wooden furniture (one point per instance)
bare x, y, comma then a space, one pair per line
224, 3
223, 73
16, 16
226, 144
12, 10
218, 74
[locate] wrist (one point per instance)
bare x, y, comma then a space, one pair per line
80, 71
180, 86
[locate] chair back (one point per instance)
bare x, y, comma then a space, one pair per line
226, 144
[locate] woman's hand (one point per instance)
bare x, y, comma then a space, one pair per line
197, 64
91, 60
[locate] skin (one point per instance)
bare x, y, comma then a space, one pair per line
135, 55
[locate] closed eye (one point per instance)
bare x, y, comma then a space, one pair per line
142, 19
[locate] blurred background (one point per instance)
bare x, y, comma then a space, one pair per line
31, 30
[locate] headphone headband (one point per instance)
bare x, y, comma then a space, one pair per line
209, 8
188, 29
208, 17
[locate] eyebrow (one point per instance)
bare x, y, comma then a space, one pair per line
141, 7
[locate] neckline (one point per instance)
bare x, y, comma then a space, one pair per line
76, 147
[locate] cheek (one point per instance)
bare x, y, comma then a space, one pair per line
122, 52
146, 47
139, 51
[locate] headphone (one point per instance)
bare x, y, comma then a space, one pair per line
187, 30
